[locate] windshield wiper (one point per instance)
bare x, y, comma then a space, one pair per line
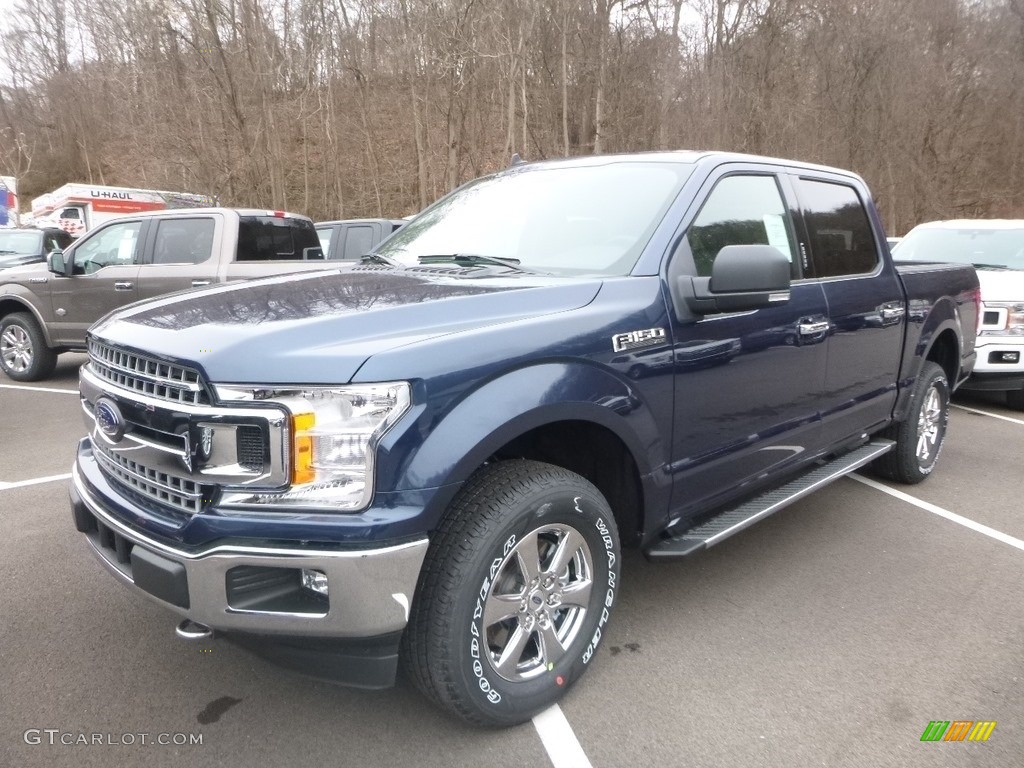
475, 260
376, 258
6, 252
989, 266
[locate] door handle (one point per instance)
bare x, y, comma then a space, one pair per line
200, 283
893, 313
810, 329
125, 285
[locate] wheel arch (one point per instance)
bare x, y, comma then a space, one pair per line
11, 304
593, 424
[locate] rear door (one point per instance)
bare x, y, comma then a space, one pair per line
181, 252
747, 384
866, 305
105, 271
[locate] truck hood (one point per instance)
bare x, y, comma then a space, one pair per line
22, 272
320, 327
1001, 284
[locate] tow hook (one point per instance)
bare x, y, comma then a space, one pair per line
193, 630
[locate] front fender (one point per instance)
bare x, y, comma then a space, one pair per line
18, 298
448, 447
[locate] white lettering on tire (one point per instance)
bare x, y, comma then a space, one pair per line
474, 631
609, 597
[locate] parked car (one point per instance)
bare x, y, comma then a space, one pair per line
351, 239
19, 247
996, 249
45, 308
434, 458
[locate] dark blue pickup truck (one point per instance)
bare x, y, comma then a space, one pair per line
434, 458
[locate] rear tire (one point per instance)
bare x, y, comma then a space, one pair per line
515, 593
24, 355
920, 436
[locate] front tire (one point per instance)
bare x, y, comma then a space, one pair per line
24, 355
920, 436
515, 593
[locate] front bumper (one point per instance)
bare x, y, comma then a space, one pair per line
253, 589
1000, 364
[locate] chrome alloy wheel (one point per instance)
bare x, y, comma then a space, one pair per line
16, 348
929, 425
537, 601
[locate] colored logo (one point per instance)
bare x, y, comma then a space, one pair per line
958, 730
109, 419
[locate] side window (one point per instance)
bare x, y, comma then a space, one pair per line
326, 235
70, 213
741, 210
840, 234
112, 245
273, 238
358, 242
183, 241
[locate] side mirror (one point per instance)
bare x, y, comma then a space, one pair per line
314, 253
743, 277
56, 263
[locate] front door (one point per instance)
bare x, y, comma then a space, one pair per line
105, 270
747, 384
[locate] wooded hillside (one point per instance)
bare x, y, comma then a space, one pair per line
343, 108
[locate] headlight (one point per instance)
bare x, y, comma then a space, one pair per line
1002, 319
334, 436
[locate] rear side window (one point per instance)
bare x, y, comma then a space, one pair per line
358, 242
272, 238
183, 241
838, 228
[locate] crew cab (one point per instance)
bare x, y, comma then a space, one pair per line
46, 308
995, 247
435, 458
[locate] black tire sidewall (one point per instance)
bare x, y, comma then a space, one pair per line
498, 700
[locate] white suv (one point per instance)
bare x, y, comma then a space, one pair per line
996, 249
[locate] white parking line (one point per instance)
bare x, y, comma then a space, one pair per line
960, 520
993, 415
562, 746
40, 389
34, 481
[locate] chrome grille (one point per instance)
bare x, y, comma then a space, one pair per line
177, 493
146, 375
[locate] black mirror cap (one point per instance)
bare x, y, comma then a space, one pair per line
56, 263
743, 268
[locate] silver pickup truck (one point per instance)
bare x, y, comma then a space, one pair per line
45, 309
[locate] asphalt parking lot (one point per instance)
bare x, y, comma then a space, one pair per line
829, 635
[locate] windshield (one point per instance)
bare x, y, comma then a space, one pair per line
987, 247
20, 243
561, 221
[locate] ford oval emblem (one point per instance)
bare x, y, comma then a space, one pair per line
109, 419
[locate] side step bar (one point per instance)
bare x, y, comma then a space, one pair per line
732, 521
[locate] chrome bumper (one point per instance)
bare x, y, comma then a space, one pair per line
370, 591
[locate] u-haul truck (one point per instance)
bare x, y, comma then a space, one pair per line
77, 208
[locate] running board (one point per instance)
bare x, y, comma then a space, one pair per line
732, 521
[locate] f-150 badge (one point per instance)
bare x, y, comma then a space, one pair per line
635, 339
